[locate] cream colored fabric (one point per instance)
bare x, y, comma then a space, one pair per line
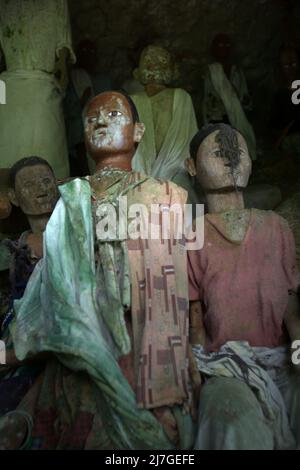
169, 160
162, 112
32, 32
31, 123
81, 81
225, 90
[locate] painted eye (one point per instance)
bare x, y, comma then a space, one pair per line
91, 120
114, 114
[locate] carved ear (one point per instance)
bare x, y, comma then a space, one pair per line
190, 166
12, 197
139, 130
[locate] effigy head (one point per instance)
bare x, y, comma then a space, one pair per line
112, 126
86, 54
220, 158
155, 66
221, 47
33, 186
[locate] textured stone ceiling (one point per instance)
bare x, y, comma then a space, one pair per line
122, 27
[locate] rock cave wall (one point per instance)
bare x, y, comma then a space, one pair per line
121, 28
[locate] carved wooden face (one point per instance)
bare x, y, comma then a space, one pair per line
109, 127
155, 66
215, 172
35, 190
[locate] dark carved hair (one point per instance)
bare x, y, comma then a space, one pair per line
227, 138
24, 162
134, 111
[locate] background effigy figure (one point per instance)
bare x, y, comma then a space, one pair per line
35, 39
243, 292
169, 118
85, 83
33, 188
114, 310
226, 96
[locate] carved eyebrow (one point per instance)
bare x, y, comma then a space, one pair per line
90, 118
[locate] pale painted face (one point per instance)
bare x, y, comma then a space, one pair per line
214, 172
36, 190
155, 66
109, 126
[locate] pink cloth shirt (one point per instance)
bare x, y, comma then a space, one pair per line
244, 287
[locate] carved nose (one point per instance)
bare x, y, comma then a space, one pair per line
101, 121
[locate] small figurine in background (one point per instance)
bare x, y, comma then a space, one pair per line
243, 301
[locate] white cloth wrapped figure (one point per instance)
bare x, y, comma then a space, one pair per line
35, 39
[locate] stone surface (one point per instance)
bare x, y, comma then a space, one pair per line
122, 28
262, 196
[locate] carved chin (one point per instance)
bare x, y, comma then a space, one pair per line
102, 140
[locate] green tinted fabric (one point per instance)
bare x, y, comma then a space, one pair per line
59, 312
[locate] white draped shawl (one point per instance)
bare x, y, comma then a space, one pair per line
175, 148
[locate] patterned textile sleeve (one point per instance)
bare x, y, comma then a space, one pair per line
160, 305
